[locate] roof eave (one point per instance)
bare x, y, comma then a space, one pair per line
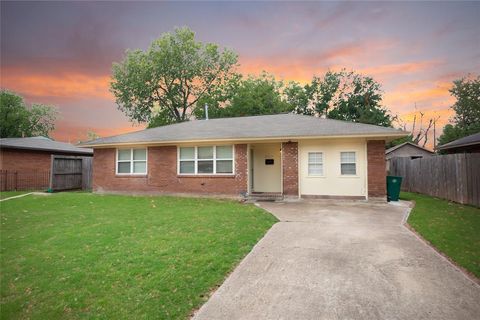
86, 152
446, 147
385, 136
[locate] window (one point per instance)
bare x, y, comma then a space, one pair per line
224, 159
187, 160
348, 164
131, 161
206, 160
315, 164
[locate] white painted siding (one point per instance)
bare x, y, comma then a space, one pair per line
332, 183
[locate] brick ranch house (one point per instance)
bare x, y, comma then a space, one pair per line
285, 154
25, 162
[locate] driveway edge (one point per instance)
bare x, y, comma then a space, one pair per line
467, 274
214, 290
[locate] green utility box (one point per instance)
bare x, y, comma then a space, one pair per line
393, 188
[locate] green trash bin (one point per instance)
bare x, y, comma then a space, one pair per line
393, 188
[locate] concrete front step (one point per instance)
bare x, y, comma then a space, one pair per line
265, 196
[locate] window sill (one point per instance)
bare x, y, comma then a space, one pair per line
129, 175
346, 176
205, 176
315, 177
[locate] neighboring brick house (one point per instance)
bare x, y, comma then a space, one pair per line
25, 162
280, 155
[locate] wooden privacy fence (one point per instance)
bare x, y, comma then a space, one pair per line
454, 177
70, 172
87, 166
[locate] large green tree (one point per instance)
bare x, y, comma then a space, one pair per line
341, 95
18, 120
467, 110
258, 96
450, 133
251, 96
163, 84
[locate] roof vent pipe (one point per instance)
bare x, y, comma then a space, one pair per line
206, 111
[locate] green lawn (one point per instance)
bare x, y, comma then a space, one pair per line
8, 194
80, 255
452, 228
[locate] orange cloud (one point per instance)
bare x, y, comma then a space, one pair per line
443, 116
400, 68
426, 94
347, 50
71, 85
290, 70
302, 67
74, 133
305, 67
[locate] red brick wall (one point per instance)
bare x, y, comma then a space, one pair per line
162, 175
24, 170
377, 186
14, 159
290, 168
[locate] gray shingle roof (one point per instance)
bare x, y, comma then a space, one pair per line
42, 144
404, 144
262, 127
462, 142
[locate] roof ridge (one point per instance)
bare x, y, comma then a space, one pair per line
252, 116
189, 121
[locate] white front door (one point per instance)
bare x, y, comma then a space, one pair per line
266, 168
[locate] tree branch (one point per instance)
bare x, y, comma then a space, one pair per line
207, 87
166, 103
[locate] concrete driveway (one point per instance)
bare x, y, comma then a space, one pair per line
328, 260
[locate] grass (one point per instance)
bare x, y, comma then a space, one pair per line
80, 255
452, 228
8, 194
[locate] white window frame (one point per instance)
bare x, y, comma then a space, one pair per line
355, 163
195, 173
131, 161
322, 163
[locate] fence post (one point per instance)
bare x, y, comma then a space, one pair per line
5, 183
83, 174
459, 162
52, 159
16, 180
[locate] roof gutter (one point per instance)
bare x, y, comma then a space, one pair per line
86, 152
446, 147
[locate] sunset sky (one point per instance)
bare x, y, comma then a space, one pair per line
61, 53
